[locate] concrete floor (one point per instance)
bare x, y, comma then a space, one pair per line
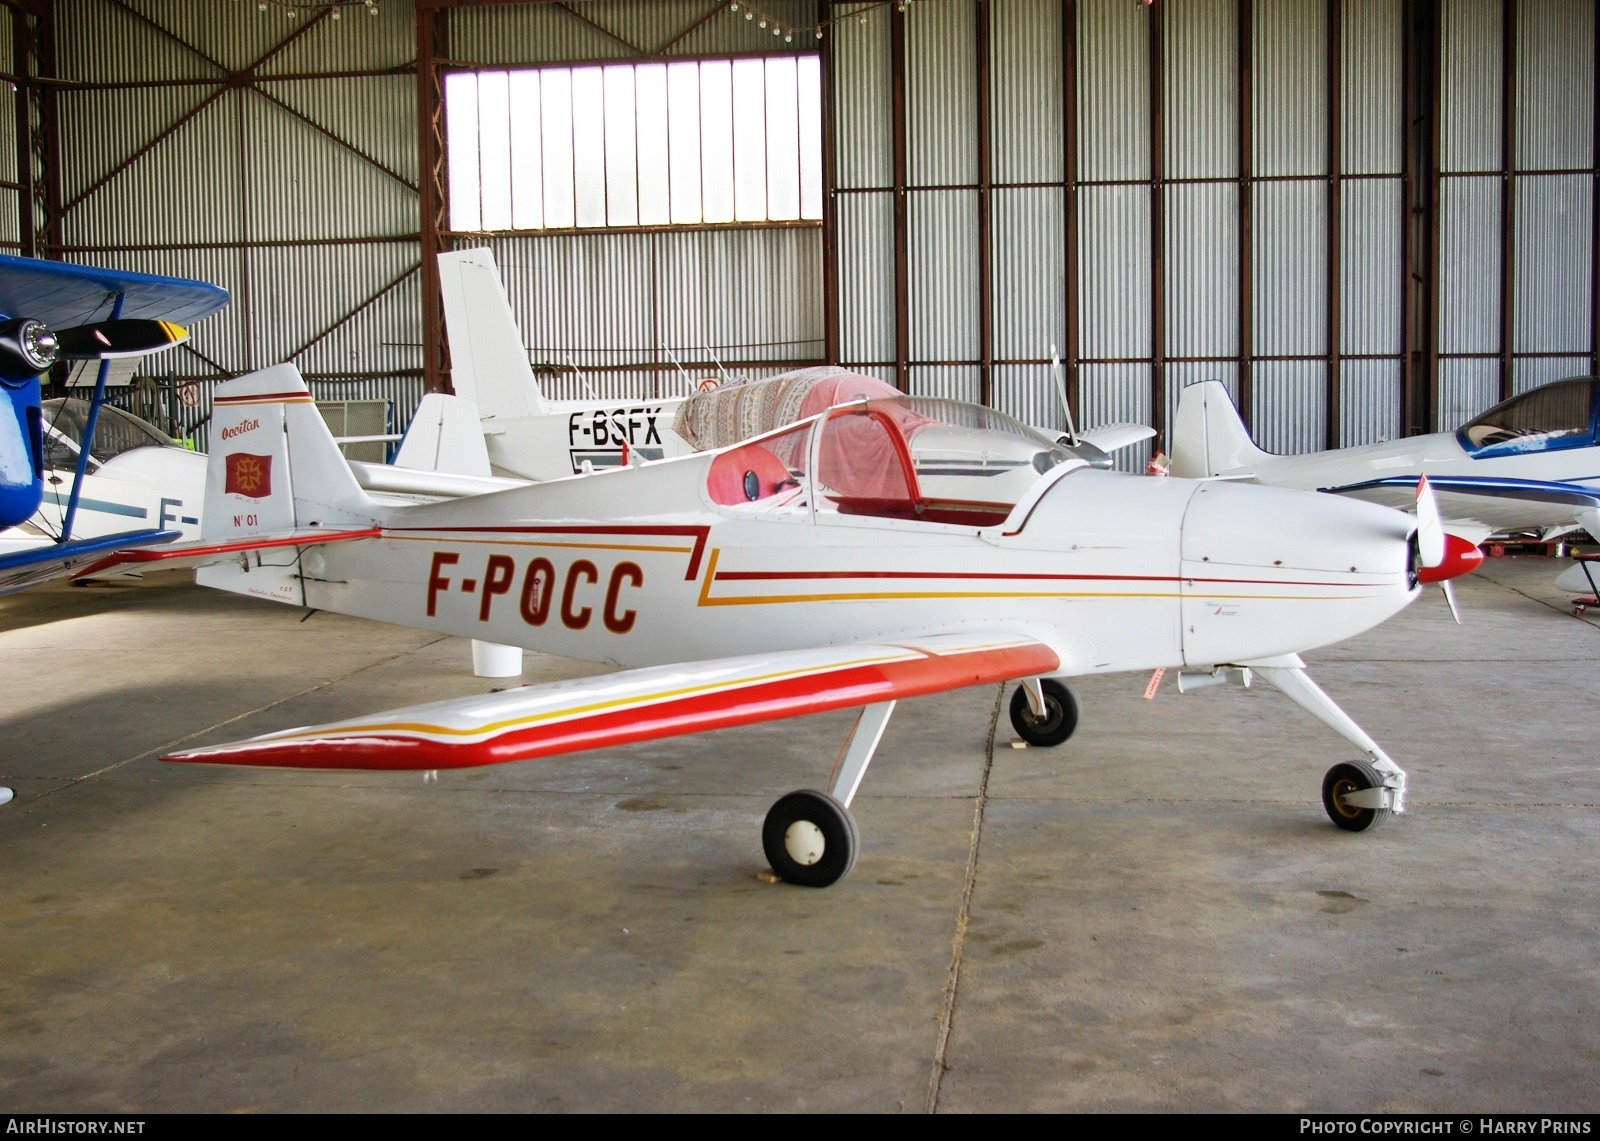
1155, 916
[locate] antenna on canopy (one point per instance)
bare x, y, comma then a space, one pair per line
578, 372
1061, 391
688, 381
718, 363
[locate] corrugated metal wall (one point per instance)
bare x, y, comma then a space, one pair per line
1131, 341
1517, 304
281, 166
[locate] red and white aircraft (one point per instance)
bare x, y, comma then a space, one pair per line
818, 566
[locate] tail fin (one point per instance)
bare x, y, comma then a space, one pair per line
1208, 438
273, 465
444, 436
488, 364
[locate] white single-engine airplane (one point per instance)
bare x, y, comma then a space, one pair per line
531, 437
1531, 463
810, 568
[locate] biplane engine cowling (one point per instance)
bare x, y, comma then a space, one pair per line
27, 349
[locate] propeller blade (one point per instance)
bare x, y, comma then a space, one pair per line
1450, 597
1430, 527
125, 338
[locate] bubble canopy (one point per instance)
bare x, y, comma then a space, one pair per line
896, 457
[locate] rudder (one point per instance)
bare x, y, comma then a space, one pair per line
1208, 437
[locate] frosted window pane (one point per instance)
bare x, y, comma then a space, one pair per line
527, 152
556, 112
749, 140
716, 139
494, 150
783, 141
651, 92
589, 145
461, 127
683, 122
622, 168
810, 78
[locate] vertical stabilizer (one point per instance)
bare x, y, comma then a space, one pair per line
488, 364
1208, 437
273, 465
444, 436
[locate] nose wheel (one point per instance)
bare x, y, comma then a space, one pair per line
810, 839
1055, 724
1351, 793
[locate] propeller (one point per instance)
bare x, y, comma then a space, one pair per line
1441, 556
29, 347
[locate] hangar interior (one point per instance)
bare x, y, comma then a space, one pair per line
1369, 218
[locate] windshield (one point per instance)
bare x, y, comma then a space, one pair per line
1554, 415
115, 431
938, 461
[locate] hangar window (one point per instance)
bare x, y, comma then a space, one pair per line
653, 144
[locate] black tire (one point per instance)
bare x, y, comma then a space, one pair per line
796, 858
1352, 776
1060, 718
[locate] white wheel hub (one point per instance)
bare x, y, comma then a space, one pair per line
804, 842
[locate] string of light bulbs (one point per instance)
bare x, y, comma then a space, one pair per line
294, 10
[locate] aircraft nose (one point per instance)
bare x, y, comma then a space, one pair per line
1269, 571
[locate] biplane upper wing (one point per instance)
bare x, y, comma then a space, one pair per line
640, 705
61, 294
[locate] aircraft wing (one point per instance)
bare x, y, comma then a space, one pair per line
200, 553
36, 564
1490, 503
61, 294
640, 705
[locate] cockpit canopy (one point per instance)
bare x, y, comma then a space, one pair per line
115, 432
900, 457
1548, 418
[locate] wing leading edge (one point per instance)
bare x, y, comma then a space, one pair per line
640, 705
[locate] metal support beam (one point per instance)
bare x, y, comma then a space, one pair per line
1434, 88
985, 244
1069, 158
1594, 208
902, 273
830, 203
1335, 221
21, 55
1508, 187
432, 45
1158, 239
1246, 45
1410, 151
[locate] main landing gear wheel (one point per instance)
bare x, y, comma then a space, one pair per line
1351, 776
810, 839
1060, 714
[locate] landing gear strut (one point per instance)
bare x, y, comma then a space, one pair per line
809, 837
1046, 717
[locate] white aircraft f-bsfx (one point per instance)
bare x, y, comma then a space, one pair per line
1530, 463
808, 569
531, 437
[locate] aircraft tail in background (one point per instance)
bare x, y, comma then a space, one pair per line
488, 363
1208, 437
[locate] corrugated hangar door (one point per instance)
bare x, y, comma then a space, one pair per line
275, 156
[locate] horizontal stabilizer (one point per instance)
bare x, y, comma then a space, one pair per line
204, 553
1110, 437
22, 569
640, 705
